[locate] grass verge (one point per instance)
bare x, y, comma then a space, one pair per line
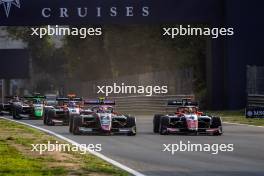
17, 159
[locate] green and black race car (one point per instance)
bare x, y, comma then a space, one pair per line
29, 107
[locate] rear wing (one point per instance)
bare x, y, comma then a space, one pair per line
99, 102
11, 97
62, 99
182, 102
69, 99
76, 99
35, 97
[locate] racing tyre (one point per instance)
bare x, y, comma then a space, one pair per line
1, 109
16, 115
217, 123
45, 119
131, 123
71, 122
156, 123
49, 121
67, 121
164, 123
49, 117
76, 123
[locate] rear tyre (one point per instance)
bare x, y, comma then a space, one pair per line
217, 123
77, 122
131, 123
156, 123
164, 123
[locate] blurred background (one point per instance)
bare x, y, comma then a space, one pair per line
130, 54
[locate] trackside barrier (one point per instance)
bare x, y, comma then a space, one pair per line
255, 100
145, 104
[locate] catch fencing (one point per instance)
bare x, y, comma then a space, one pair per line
255, 100
255, 86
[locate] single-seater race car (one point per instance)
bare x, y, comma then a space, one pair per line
59, 113
29, 107
186, 119
101, 118
6, 107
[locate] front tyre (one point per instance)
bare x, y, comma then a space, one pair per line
71, 117
77, 122
217, 123
164, 123
156, 123
16, 115
49, 118
131, 123
44, 120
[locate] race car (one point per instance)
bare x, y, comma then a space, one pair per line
187, 119
6, 107
101, 118
29, 107
59, 113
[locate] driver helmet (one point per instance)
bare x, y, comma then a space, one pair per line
101, 110
190, 110
72, 104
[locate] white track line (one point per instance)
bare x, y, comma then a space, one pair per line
231, 123
109, 160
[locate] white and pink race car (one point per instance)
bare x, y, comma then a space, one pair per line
186, 119
101, 118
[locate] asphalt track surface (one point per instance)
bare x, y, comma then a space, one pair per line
144, 152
